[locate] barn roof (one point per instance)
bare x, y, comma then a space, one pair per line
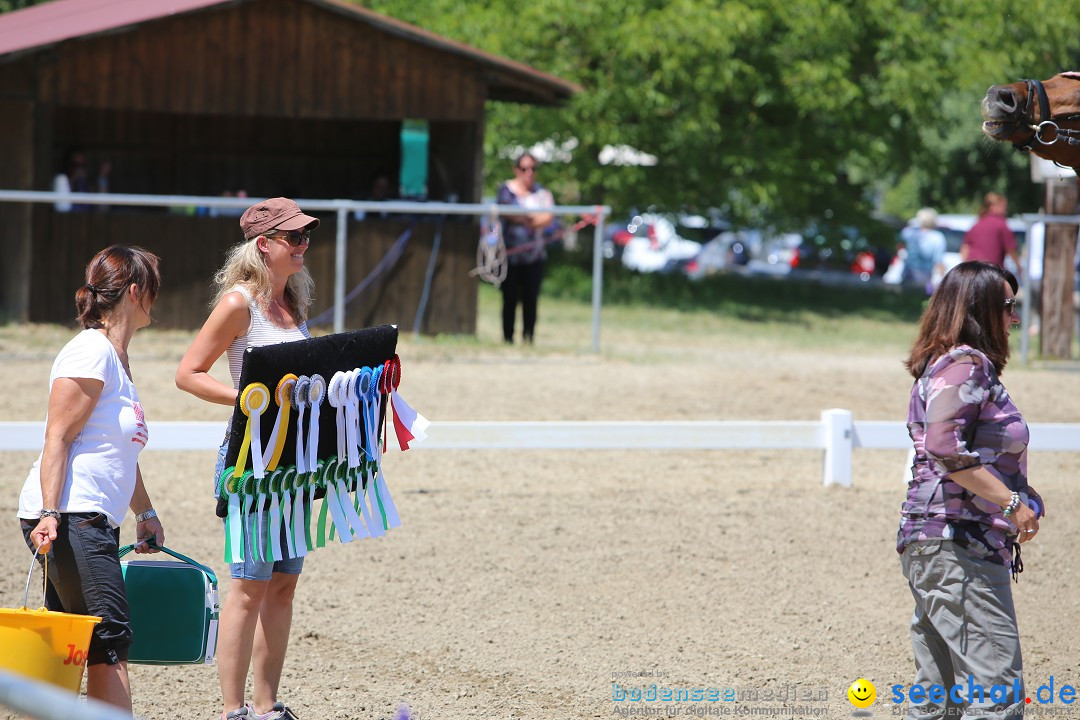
40, 26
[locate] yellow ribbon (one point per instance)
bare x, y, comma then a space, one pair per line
283, 393
253, 401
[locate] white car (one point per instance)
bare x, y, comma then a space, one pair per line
655, 245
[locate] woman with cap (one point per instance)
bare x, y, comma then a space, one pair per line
87, 476
263, 294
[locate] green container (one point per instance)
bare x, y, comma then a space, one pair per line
174, 610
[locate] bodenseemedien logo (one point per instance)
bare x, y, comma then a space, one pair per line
862, 694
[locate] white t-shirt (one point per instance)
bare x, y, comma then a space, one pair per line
103, 457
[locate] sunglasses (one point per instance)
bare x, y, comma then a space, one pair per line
1010, 303
294, 237
527, 168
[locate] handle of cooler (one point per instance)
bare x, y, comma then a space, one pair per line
183, 558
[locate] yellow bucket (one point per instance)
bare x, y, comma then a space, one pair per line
45, 645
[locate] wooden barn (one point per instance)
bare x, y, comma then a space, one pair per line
303, 98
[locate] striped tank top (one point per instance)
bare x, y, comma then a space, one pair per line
260, 332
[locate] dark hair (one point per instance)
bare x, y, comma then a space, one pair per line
108, 276
968, 308
522, 156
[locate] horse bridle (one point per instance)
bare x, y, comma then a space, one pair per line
1048, 123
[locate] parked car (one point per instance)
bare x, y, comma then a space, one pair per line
953, 227
825, 247
659, 248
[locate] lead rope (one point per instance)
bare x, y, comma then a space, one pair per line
491, 253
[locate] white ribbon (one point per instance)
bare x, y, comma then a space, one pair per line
333, 502
300, 400
287, 508
274, 551
316, 395
299, 519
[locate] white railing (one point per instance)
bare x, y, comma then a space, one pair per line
343, 208
837, 434
44, 702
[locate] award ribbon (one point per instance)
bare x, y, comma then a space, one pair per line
286, 509
274, 524
300, 399
253, 402
283, 396
316, 395
301, 522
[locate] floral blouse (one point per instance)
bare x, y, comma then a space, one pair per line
961, 417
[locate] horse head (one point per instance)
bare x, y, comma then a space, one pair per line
1040, 117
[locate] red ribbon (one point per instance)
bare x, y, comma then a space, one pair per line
404, 435
389, 380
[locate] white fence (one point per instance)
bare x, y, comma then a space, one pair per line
44, 702
343, 209
837, 434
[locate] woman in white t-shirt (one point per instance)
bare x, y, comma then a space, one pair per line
263, 294
87, 476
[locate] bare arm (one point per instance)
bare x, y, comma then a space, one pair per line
147, 529
71, 401
980, 481
230, 319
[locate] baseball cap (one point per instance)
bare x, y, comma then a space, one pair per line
274, 214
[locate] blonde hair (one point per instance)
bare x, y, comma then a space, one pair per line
245, 266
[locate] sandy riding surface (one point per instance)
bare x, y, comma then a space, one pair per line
524, 584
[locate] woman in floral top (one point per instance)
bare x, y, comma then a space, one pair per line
968, 503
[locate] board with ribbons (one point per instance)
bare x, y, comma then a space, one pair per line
309, 429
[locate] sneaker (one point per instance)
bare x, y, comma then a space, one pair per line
278, 712
238, 713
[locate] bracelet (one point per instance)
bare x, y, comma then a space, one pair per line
144, 516
1013, 504
54, 514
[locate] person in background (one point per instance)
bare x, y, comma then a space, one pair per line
990, 239
526, 237
87, 476
263, 294
74, 177
925, 251
969, 504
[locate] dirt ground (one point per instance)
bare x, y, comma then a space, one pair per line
537, 585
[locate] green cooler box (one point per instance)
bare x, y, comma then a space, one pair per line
174, 610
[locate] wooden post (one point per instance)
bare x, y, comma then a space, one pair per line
1059, 256
16, 173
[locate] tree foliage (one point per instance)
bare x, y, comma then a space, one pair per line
776, 110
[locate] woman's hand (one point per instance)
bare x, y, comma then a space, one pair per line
146, 531
44, 533
1027, 523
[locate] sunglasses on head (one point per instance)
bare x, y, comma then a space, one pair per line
293, 237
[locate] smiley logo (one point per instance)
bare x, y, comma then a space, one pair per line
862, 693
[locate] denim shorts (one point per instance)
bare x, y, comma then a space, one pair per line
252, 569
85, 579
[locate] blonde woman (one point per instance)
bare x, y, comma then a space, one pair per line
263, 294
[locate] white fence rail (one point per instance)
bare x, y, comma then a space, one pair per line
344, 208
836, 434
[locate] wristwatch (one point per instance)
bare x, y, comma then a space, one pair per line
55, 514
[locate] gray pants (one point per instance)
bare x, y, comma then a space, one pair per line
964, 633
